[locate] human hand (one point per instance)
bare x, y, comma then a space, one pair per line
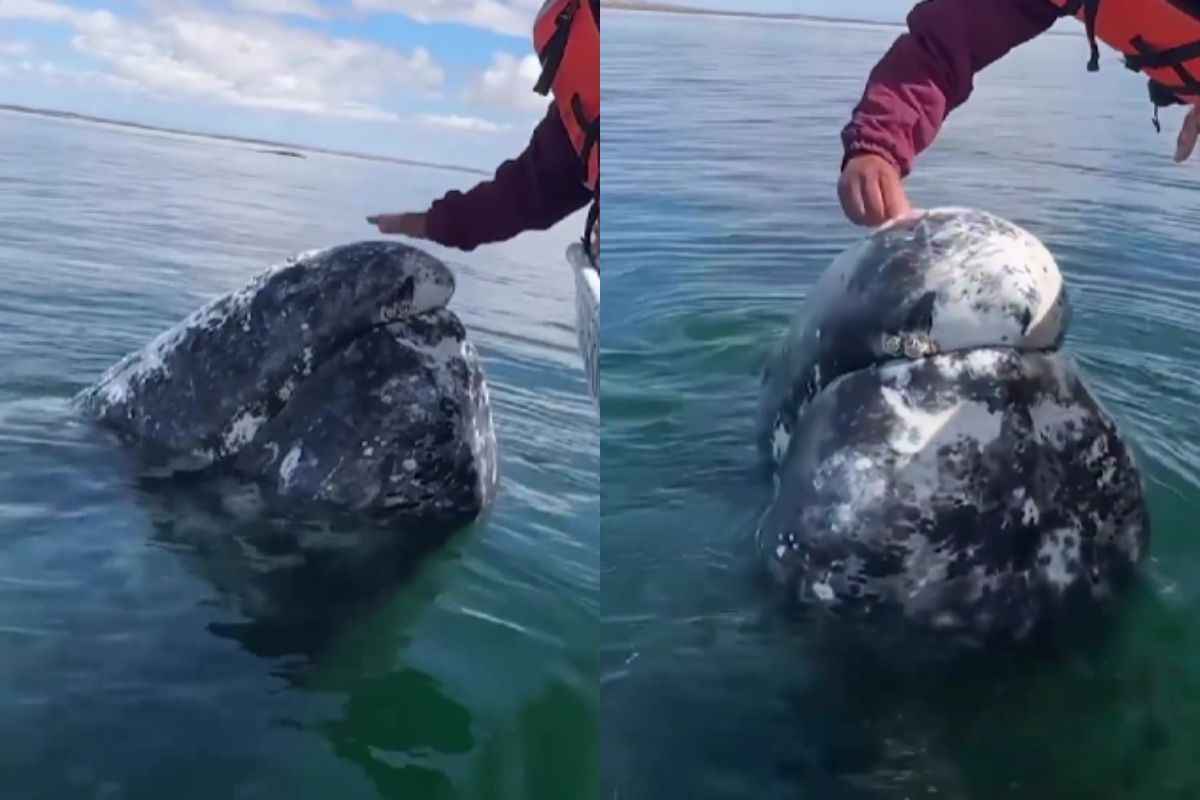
871, 192
408, 224
1186, 142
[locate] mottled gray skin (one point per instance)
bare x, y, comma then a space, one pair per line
946, 280
397, 421
337, 379
973, 484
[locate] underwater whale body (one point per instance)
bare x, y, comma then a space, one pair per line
337, 379
936, 455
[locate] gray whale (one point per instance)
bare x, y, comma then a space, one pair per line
337, 379
935, 452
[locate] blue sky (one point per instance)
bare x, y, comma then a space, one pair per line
443, 80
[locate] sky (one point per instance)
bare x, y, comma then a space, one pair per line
433, 80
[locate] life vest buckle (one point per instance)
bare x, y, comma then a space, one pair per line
567, 14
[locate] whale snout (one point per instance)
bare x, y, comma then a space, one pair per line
380, 281
411, 281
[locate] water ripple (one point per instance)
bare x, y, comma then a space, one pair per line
136, 608
720, 213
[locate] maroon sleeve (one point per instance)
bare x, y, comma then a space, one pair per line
929, 71
533, 191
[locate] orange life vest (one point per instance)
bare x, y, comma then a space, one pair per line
1158, 37
566, 36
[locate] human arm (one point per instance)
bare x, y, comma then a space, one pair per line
927, 73
534, 191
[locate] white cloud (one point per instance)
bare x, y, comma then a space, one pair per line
508, 83
300, 8
55, 75
512, 17
462, 123
243, 61
34, 9
48, 11
15, 49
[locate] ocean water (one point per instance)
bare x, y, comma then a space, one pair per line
139, 658
722, 153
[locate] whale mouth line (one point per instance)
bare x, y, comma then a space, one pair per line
336, 345
888, 360
971, 348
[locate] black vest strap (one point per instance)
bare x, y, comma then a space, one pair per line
1149, 58
1162, 96
1149, 54
1090, 9
591, 128
552, 54
1146, 58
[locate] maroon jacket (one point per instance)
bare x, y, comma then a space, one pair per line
534, 191
929, 71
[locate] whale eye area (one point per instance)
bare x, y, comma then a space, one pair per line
406, 291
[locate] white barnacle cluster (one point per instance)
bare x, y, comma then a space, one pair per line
299, 258
133, 371
854, 476
1058, 562
781, 439
788, 540
241, 430
822, 589
912, 345
287, 467
1100, 456
393, 312
390, 392
441, 356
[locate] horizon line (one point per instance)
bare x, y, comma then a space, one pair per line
793, 16
54, 113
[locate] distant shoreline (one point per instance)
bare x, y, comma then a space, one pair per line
700, 11
672, 8
71, 115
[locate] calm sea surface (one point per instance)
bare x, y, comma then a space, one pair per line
135, 660
721, 156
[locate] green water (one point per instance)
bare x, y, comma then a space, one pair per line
720, 201
139, 657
